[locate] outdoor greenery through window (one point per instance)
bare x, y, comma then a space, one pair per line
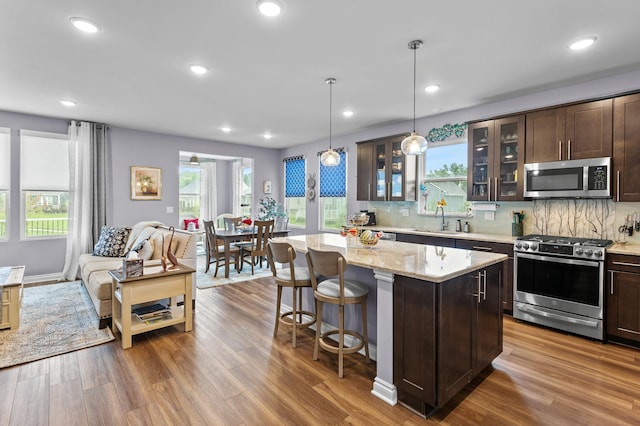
5, 179
189, 191
445, 176
333, 194
295, 201
44, 182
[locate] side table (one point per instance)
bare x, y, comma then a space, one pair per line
150, 287
11, 287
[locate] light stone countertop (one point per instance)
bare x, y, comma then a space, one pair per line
424, 262
474, 236
629, 249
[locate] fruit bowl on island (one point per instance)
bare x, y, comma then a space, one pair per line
369, 238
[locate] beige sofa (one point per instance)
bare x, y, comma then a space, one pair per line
93, 269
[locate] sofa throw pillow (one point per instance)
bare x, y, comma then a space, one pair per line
143, 250
112, 242
188, 221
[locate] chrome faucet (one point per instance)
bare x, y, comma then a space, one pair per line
443, 225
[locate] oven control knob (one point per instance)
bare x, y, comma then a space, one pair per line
579, 251
525, 246
534, 246
597, 253
518, 245
588, 252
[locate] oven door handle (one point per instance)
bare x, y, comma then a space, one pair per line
563, 260
532, 310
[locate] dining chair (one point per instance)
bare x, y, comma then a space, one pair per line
215, 249
232, 223
295, 277
340, 292
257, 248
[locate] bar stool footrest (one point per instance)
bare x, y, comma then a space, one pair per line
330, 345
287, 318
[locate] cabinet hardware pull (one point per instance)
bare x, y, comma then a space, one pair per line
618, 190
478, 278
625, 264
482, 248
388, 197
559, 150
568, 149
611, 282
484, 285
369, 193
495, 188
488, 189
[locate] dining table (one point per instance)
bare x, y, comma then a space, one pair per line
229, 236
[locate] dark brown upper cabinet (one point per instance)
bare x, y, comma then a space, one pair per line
495, 160
626, 148
570, 133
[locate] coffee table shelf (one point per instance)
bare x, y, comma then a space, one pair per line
150, 288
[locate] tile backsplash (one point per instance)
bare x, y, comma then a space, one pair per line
590, 218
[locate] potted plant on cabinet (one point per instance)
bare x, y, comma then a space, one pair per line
270, 209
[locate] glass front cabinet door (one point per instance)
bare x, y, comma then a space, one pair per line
496, 159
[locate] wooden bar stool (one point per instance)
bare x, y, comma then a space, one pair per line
295, 277
337, 291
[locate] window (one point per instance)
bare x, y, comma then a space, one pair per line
5, 179
333, 194
246, 190
445, 176
189, 191
44, 183
295, 203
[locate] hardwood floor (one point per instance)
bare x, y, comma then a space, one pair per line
230, 371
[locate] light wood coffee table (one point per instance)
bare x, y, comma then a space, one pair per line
150, 287
11, 286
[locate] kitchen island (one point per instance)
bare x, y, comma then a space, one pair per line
438, 315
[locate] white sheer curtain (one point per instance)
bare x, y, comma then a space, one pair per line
79, 232
237, 187
208, 191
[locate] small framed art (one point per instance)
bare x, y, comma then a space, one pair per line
146, 183
266, 187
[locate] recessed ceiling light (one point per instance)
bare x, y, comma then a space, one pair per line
85, 25
270, 7
68, 103
198, 69
583, 43
432, 88
267, 136
225, 129
348, 113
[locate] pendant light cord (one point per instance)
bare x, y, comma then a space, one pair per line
414, 88
330, 110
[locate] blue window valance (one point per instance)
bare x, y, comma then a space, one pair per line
333, 179
294, 174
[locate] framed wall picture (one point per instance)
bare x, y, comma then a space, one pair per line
266, 187
146, 183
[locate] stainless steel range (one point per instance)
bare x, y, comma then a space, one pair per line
559, 282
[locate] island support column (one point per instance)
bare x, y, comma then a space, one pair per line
383, 386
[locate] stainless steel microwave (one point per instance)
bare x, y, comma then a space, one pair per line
588, 178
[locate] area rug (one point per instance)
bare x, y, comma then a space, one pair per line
207, 280
55, 319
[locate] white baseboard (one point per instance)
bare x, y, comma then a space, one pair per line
34, 279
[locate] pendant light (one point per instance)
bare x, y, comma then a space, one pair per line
194, 159
330, 157
414, 144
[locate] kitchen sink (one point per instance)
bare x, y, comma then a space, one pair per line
431, 231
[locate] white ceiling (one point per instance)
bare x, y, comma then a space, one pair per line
267, 74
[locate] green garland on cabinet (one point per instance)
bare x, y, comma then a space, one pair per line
446, 131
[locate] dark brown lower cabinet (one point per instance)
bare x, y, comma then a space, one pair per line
623, 299
444, 335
